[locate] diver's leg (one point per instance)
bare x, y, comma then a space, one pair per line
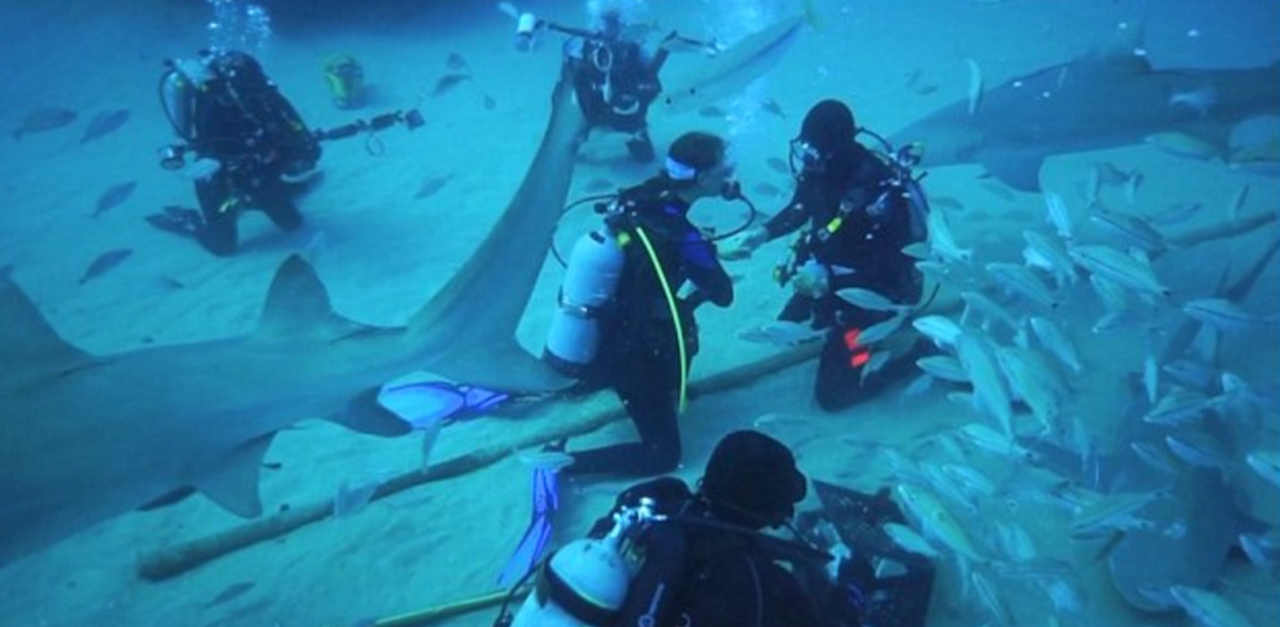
838, 384
217, 199
641, 146
648, 390
276, 200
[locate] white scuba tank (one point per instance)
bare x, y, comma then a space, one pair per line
590, 280
594, 571
588, 578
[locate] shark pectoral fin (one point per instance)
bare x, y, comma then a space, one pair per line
234, 483
298, 304
29, 346
1017, 169
364, 414
506, 367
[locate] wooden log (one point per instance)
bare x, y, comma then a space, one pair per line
598, 410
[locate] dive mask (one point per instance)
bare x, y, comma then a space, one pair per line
805, 157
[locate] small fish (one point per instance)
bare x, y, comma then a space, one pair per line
712, 111
232, 591
870, 300
448, 82
350, 500
42, 120
599, 185
778, 165
767, 189
114, 195
433, 185
771, 106
457, 63
105, 263
927, 90
1184, 145
489, 102
103, 123
781, 333
1208, 608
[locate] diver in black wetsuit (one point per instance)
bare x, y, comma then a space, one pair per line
615, 78
639, 355
228, 112
857, 213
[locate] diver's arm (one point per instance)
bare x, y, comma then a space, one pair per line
705, 272
788, 220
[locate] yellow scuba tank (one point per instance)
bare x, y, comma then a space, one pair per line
345, 76
590, 279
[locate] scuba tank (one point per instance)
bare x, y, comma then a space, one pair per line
179, 89
586, 582
590, 280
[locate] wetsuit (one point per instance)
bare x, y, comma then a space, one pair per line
241, 120
700, 571
639, 356
616, 80
868, 241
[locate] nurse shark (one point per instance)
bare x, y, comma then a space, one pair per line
1102, 100
85, 438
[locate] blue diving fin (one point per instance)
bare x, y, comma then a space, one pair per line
546, 501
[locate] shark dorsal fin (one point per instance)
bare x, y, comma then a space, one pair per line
234, 482
26, 338
298, 304
1125, 52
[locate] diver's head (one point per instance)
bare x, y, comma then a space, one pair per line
826, 134
697, 166
611, 17
752, 480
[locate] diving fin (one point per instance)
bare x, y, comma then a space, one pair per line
528, 554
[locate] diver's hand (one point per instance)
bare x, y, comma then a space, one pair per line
743, 244
811, 279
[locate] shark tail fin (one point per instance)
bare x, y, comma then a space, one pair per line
28, 340
298, 305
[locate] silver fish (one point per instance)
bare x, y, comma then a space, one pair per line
782, 333
1133, 273
867, 299
942, 330
1019, 279
1225, 315
943, 367
1054, 257
990, 391
881, 330
943, 242
1208, 608
1053, 339
1133, 230
1058, 215
1176, 213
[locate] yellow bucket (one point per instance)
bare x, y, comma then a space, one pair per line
345, 76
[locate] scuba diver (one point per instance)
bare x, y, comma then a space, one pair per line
859, 210
615, 78
238, 124
667, 555
620, 321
